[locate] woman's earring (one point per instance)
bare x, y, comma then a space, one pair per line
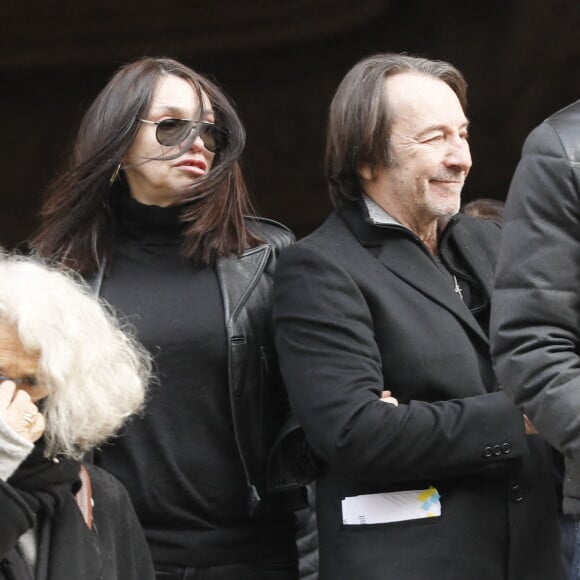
115, 175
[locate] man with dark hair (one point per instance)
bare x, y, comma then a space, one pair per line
427, 469
535, 326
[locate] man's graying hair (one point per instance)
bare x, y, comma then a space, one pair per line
359, 120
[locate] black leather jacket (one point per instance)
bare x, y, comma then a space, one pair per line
269, 440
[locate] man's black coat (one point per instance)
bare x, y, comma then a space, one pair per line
360, 308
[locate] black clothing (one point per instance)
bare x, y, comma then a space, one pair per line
181, 461
44, 485
307, 538
114, 549
268, 569
536, 311
178, 486
360, 308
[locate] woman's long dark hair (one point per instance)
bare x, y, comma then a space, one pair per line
77, 222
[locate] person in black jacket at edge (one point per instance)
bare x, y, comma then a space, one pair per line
388, 302
153, 210
69, 379
535, 321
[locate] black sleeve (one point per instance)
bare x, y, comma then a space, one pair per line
535, 323
16, 517
332, 369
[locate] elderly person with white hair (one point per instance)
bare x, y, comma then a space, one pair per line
69, 379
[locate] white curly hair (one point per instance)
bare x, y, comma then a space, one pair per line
95, 371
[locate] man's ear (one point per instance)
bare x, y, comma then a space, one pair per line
367, 171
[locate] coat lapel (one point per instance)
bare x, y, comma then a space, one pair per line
246, 271
397, 250
469, 247
416, 268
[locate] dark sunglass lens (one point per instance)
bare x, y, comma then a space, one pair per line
173, 131
206, 132
212, 137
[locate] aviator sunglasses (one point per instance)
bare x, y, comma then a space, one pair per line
170, 132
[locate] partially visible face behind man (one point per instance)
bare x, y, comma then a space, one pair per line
430, 151
16, 363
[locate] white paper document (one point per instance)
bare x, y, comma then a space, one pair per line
383, 508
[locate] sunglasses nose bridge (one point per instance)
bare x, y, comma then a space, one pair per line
194, 138
197, 133
201, 131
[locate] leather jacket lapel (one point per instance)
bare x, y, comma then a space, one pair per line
238, 276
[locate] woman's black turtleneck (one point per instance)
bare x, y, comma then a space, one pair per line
179, 461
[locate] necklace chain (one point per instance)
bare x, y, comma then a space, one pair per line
457, 288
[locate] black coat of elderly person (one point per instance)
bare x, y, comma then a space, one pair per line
70, 378
392, 293
153, 208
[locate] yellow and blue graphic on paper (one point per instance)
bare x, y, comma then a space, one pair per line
431, 504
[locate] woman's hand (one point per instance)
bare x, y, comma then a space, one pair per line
386, 397
20, 413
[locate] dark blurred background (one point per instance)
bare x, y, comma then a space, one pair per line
280, 62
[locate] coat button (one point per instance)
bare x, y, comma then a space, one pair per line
506, 448
487, 452
497, 450
517, 493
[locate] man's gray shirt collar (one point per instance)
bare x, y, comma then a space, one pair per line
377, 214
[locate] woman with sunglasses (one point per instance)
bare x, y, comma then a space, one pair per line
152, 209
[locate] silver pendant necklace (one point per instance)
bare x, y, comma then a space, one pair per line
457, 288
